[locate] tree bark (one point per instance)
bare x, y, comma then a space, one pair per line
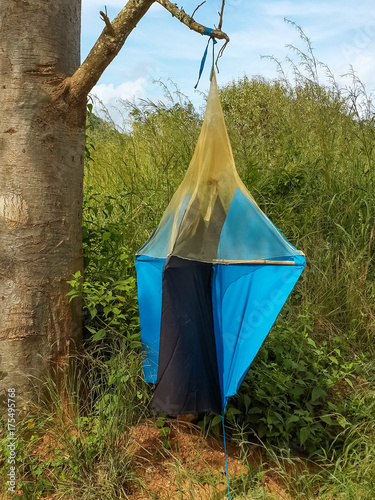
41, 177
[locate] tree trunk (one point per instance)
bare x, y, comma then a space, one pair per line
42, 136
43, 94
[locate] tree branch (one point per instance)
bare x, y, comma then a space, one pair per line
105, 18
113, 38
184, 18
107, 47
221, 15
196, 8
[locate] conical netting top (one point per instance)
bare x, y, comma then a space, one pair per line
212, 216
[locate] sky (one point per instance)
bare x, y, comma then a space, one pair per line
161, 48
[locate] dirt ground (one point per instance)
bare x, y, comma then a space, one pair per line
165, 472
189, 467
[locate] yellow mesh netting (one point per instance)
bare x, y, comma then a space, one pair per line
192, 224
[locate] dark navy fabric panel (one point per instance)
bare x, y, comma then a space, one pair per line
188, 380
149, 283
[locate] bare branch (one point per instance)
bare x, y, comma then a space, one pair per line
200, 5
107, 22
221, 15
184, 18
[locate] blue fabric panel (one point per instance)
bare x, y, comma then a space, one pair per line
149, 281
246, 302
248, 234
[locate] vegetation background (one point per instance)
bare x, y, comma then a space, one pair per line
305, 149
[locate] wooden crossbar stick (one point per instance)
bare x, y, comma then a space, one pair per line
256, 262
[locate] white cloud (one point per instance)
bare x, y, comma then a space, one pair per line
109, 94
106, 99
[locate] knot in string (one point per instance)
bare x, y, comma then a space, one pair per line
207, 32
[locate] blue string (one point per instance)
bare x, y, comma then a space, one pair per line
226, 456
207, 32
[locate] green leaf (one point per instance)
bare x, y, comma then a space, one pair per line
164, 431
99, 335
106, 236
233, 411
327, 419
311, 342
317, 393
93, 312
160, 422
247, 401
135, 344
297, 392
122, 288
333, 359
288, 363
291, 419
262, 430
120, 298
166, 443
304, 434
349, 382
216, 420
342, 421
255, 409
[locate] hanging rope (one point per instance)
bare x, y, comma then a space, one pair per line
226, 457
207, 32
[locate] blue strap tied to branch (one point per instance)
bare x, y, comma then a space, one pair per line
207, 32
226, 457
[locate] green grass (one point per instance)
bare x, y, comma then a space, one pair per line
305, 149
78, 446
